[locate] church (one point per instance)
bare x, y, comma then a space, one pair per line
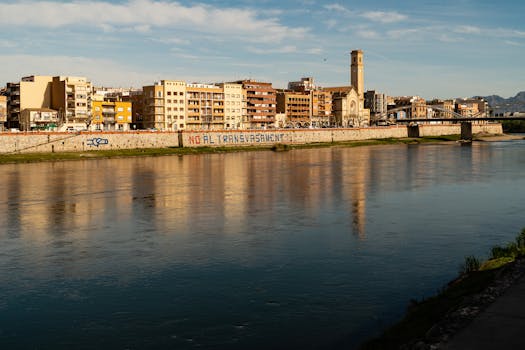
348, 102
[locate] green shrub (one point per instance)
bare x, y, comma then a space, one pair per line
471, 264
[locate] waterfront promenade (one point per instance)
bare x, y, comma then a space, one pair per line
500, 326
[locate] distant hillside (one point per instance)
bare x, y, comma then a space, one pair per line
511, 104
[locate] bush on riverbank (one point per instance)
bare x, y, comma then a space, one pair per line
475, 277
513, 126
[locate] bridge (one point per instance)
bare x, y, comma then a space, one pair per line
451, 117
456, 120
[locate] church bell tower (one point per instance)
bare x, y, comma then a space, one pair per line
357, 74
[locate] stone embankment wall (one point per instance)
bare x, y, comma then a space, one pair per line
289, 136
35, 142
83, 141
455, 129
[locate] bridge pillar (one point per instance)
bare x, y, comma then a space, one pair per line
413, 130
466, 131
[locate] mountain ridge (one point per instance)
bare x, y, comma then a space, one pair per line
512, 104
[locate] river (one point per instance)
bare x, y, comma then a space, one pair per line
311, 249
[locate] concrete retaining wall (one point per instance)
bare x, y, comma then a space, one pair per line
83, 141
270, 137
76, 142
455, 129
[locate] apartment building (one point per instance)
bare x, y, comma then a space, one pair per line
111, 115
153, 108
3, 112
442, 108
161, 106
377, 104
38, 119
415, 107
261, 103
234, 106
174, 104
320, 101
467, 108
472, 107
71, 97
30, 92
304, 85
205, 107
321, 108
296, 106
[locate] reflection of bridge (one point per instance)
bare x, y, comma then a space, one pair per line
455, 120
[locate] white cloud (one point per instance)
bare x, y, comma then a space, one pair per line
331, 23
384, 17
315, 51
512, 43
368, 34
468, 30
99, 71
142, 15
337, 8
171, 41
445, 38
404, 33
268, 51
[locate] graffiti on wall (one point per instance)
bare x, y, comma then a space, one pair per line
97, 141
224, 139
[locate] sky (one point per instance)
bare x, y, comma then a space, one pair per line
434, 49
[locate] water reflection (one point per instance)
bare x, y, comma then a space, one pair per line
174, 194
299, 236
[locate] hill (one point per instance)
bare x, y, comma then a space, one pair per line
511, 104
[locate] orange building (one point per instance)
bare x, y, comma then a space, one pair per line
261, 101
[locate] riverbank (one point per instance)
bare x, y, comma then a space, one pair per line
179, 151
499, 137
431, 323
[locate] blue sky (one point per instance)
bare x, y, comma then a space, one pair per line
429, 48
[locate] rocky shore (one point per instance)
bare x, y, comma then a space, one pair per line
438, 336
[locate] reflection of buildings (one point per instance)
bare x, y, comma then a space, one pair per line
359, 190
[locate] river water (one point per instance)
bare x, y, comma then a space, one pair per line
313, 249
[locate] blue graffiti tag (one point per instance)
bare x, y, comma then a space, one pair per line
97, 141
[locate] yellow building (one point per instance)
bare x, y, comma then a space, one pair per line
111, 115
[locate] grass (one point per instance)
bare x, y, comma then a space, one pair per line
475, 276
152, 152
